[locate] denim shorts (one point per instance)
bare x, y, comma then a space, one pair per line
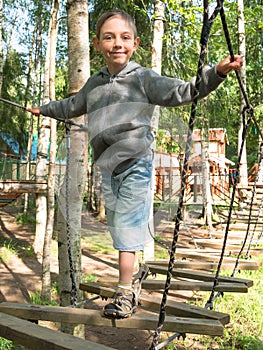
128, 199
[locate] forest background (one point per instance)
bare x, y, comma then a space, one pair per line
23, 61
25, 30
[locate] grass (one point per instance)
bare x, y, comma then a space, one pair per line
97, 244
10, 247
245, 330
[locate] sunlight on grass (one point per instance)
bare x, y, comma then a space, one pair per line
8, 250
245, 330
98, 244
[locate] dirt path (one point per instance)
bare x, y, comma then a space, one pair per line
20, 274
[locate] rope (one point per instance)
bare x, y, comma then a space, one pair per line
209, 303
207, 24
247, 109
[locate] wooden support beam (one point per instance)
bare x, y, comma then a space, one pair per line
93, 317
153, 304
35, 337
209, 266
196, 286
23, 186
199, 276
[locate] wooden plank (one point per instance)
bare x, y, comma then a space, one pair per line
201, 254
153, 304
199, 276
23, 186
201, 265
183, 310
35, 337
93, 317
196, 286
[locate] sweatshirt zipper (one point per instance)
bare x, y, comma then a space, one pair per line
112, 78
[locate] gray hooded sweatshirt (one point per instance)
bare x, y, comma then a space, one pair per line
120, 109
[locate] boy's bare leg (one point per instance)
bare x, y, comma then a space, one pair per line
126, 268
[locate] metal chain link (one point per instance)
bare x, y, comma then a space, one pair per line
74, 290
207, 23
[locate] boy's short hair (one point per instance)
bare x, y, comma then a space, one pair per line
111, 13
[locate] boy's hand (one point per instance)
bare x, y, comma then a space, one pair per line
227, 65
34, 110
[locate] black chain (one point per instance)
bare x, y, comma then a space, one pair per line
207, 23
210, 302
74, 290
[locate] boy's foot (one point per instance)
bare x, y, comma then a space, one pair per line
123, 306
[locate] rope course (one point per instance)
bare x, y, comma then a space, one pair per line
207, 24
248, 118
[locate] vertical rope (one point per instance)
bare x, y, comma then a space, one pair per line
207, 23
209, 303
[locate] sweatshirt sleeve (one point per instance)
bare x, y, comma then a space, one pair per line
71, 107
172, 92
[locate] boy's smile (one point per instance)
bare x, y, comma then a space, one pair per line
117, 43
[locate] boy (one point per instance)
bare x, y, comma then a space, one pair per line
119, 101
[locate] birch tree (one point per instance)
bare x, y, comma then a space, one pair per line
206, 186
243, 176
1, 46
158, 31
69, 235
49, 94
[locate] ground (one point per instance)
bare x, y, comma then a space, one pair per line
20, 272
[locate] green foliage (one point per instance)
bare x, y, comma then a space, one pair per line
5, 344
8, 249
183, 24
35, 298
25, 218
89, 278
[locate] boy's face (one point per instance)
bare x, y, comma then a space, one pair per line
117, 43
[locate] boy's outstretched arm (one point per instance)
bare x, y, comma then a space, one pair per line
227, 65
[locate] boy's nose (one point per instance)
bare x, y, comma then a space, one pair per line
117, 42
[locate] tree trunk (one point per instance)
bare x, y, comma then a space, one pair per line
50, 77
72, 195
41, 172
157, 45
206, 186
31, 122
1, 46
243, 175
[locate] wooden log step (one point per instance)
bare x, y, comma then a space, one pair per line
196, 286
218, 244
199, 276
183, 310
229, 264
232, 235
205, 254
93, 317
23, 186
240, 227
173, 308
35, 337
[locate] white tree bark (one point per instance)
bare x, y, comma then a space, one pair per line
243, 176
50, 90
157, 45
71, 196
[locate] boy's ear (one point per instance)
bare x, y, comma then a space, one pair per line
96, 43
136, 43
